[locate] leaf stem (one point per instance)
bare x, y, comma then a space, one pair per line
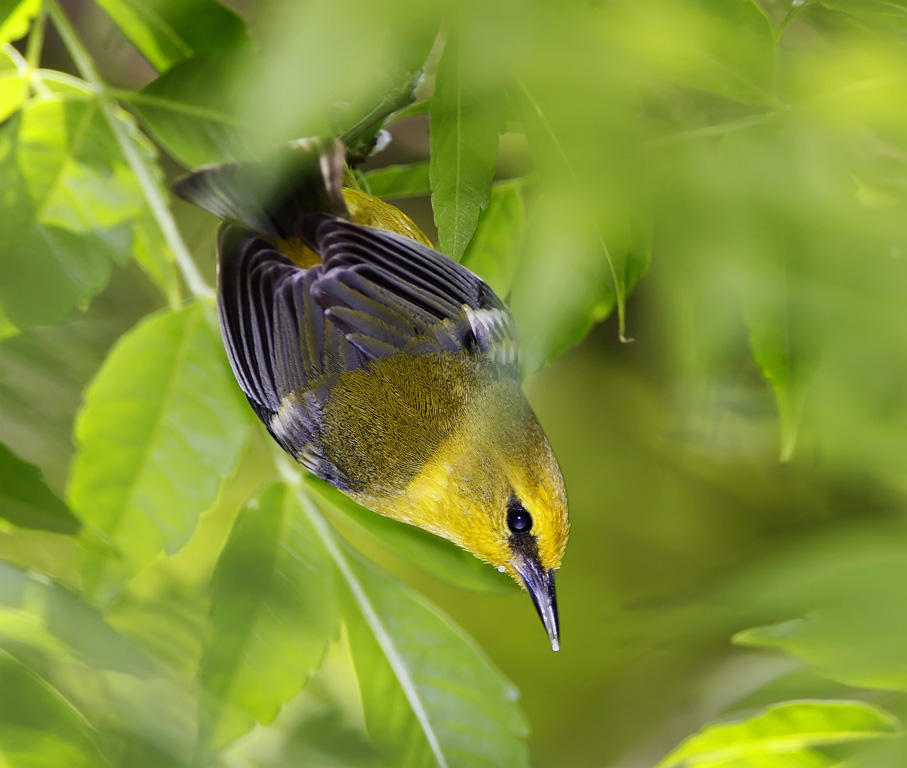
36, 40
369, 613
142, 170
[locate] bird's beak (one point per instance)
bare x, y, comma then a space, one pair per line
540, 584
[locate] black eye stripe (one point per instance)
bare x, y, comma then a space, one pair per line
518, 519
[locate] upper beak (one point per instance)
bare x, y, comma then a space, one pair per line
540, 584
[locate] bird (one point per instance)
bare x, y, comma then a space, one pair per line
379, 364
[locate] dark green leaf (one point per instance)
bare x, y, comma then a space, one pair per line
431, 697
783, 729
168, 31
192, 109
273, 612
160, 428
432, 553
25, 499
399, 181
464, 144
16, 17
495, 250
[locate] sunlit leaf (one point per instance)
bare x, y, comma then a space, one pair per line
783, 729
7, 329
12, 83
273, 612
160, 428
434, 554
431, 697
25, 499
71, 204
16, 17
494, 252
168, 31
399, 181
464, 144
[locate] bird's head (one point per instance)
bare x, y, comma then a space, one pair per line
496, 490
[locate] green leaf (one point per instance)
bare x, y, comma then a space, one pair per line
888, 14
160, 428
851, 643
192, 108
434, 554
786, 366
273, 613
557, 301
464, 144
38, 725
588, 238
727, 47
803, 758
494, 252
7, 329
71, 207
168, 31
16, 17
48, 626
399, 181
783, 729
430, 696
12, 82
25, 499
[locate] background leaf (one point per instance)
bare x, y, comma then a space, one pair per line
464, 143
39, 726
72, 205
16, 17
25, 499
784, 728
194, 111
12, 83
273, 613
168, 31
160, 428
495, 250
452, 707
399, 180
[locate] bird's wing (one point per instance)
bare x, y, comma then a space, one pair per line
388, 294
289, 331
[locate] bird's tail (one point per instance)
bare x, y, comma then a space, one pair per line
272, 196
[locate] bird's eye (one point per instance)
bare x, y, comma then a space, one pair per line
518, 519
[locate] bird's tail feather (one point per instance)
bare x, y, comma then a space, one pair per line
273, 196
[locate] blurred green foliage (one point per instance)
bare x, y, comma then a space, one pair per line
726, 179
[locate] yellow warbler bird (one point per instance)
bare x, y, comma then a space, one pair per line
381, 365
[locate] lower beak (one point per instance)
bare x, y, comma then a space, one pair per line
540, 584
